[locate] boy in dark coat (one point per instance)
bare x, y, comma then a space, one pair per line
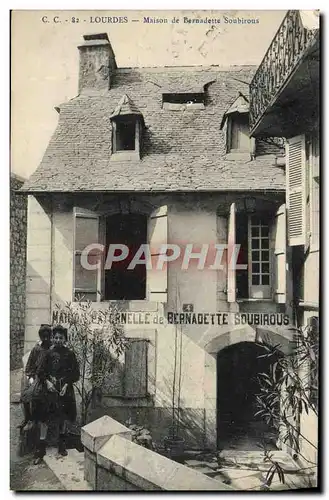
34, 360
61, 370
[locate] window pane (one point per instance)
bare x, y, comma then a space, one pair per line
255, 254
255, 279
125, 136
84, 296
265, 268
255, 243
255, 231
84, 278
265, 279
265, 243
255, 221
264, 230
255, 268
86, 232
265, 256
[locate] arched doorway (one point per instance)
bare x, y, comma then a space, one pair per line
238, 369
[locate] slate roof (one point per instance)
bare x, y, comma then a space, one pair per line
182, 150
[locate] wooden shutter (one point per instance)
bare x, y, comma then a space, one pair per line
315, 194
280, 257
296, 203
87, 283
135, 378
231, 273
157, 235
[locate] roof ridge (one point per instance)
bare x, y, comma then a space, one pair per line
197, 68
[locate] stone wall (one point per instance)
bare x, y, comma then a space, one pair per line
18, 225
114, 463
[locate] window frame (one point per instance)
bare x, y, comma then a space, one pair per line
157, 228
171, 105
258, 292
262, 288
127, 152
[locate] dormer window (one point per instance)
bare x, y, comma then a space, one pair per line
125, 135
238, 140
236, 124
180, 102
127, 125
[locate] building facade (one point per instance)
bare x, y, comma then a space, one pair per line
285, 101
18, 229
161, 158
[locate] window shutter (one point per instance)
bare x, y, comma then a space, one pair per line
296, 203
315, 195
280, 257
157, 236
135, 378
231, 273
87, 283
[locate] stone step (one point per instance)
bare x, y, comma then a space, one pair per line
243, 479
255, 460
69, 470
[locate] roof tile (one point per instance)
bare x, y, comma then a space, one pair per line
182, 150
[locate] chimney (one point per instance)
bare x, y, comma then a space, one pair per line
97, 62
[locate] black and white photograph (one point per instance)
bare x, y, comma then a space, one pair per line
164, 250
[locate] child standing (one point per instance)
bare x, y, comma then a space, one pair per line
38, 351
34, 394
60, 370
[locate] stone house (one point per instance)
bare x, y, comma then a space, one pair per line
163, 156
18, 229
285, 101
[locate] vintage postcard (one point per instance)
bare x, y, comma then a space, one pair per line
165, 181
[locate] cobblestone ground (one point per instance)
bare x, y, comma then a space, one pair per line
24, 476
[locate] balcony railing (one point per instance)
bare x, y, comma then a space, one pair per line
287, 48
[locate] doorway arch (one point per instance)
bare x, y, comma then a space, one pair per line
238, 369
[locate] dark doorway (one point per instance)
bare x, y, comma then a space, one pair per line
122, 283
238, 367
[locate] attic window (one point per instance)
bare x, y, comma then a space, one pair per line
178, 102
127, 127
125, 135
238, 133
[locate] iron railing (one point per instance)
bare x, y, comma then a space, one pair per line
287, 48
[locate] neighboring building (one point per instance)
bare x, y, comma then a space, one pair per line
162, 155
285, 101
18, 228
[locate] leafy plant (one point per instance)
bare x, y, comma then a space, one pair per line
97, 340
288, 391
141, 435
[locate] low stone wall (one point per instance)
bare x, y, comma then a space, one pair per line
114, 463
158, 421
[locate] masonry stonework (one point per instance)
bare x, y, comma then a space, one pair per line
18, 221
